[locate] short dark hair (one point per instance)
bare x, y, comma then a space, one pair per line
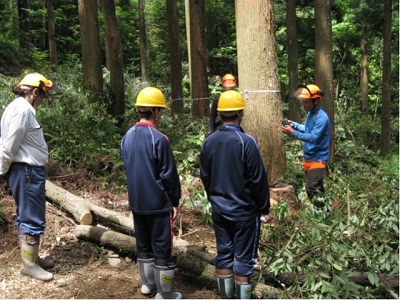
230, 116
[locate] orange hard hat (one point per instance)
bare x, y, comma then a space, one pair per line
228, 81
310, 91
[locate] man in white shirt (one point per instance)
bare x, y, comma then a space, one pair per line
23, 155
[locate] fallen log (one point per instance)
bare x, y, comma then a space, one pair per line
75, 205
83, 211
109, 238
113, 217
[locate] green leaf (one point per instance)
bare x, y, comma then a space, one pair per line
371, 278
337, 267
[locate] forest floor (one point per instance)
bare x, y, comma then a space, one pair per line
85, 270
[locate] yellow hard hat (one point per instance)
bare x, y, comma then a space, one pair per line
310, 91
230, 101
37, 80
151, 97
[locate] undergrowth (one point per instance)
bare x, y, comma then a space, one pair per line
323, 249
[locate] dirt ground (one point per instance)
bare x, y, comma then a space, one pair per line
85, 270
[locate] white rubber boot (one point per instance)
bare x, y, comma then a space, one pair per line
226, 286
29, 254
146, 270
44, 263
243, 290
164, 277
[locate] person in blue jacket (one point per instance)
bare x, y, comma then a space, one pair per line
315, 134
236, 182
154, 192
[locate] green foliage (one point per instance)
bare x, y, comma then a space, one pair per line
360, 234
79, 133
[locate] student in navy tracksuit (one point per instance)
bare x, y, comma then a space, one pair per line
236, 183
154, 192
315, 134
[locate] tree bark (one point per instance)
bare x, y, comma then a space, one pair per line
82, 210
197, 59
76, 206
386, 114
114, 60
51, 35
324, 63
294, 105
259, 81
175, 58
143, 42
91, 55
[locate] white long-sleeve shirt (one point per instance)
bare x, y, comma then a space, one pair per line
21, 137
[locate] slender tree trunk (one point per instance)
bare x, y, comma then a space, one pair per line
259, 81
175, 58
90, 40
51, 35
323, 62
363, 72
198, 60
143, 42
114, 60
386, 76
294, 105
24, 27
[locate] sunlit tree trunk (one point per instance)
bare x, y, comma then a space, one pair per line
114, 60
51, 35
143, 42
197, 59
323, 62
386, 76
294, 105
175, 58
258, 73
90, 40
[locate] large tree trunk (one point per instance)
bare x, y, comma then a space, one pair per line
90, 40
259, 81
324, 63
197, 59
294, 105
175, 58
386, 114
114, 60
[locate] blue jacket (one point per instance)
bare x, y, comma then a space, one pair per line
152, 177
234, 175
316, 135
